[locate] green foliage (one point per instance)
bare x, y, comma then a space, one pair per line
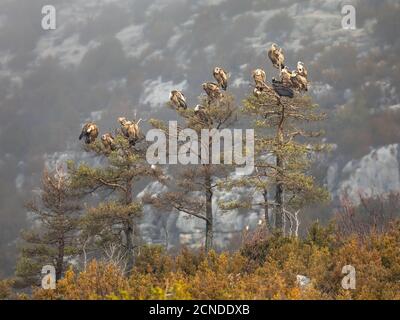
321, 236
53, 239
285, 147
112, 221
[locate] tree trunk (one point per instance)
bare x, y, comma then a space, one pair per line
279, 202
209, 213
61, 232
266, 211
129, 247
129, 231
279, 218
60, 258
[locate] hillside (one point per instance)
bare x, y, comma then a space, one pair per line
108, 58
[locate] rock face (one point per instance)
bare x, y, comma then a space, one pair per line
375, 173
178, 228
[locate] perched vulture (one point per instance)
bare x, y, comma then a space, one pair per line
134, 132
212, 90
259, 77
276, 56
130, 129
222, 78
281, 89
178, 99
108, 141
125, 124
200, 111
301, 69
90, 131
286, 77
299, 82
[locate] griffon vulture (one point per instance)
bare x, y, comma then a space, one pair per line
178, 99
125, 124
212, 90
90, 131
276, 56
130, 129
299, 82
222, 77
108, 141
134, 131
301, 69
259, 77
286, 77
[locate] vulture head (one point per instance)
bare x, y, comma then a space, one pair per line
122, 121
300, 66
257, 92
218, 70
198, 108
172, 93
285, 72
259, 77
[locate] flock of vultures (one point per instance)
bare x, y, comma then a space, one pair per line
289, 83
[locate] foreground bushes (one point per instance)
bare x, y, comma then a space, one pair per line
265, 268
5, 289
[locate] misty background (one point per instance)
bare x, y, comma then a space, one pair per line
110, 58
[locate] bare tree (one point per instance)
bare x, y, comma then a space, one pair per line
371, 214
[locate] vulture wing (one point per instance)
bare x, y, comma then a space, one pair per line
282, 90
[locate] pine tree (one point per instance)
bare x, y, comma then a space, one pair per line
284, 152
192, 188
52, 239
114, 221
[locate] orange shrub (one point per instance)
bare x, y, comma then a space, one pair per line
247, 274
